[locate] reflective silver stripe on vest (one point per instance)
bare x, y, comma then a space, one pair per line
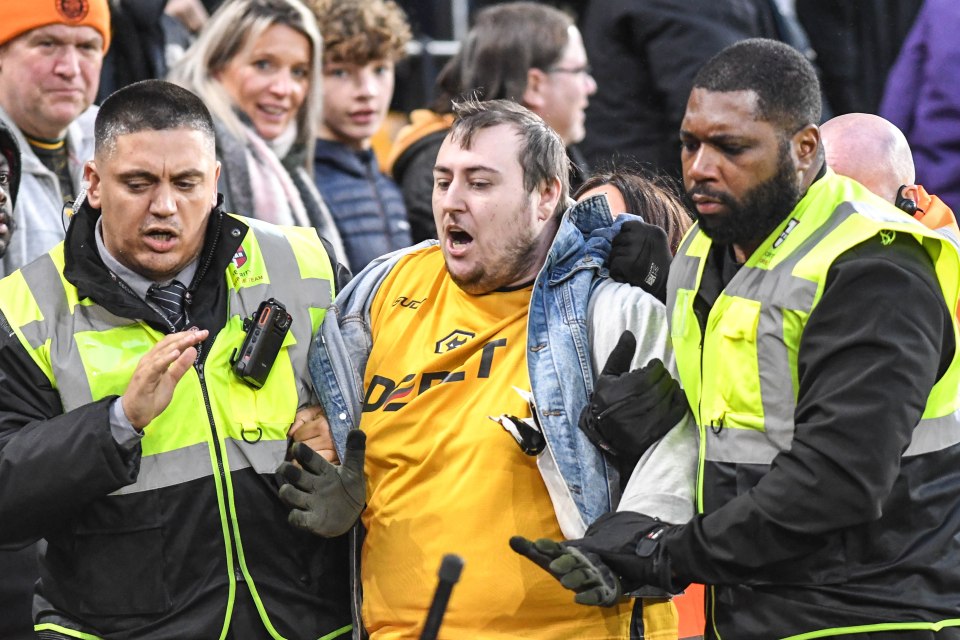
948, 233
743, 446
683, 271
776, 289
182, 465
935, 434
44, 281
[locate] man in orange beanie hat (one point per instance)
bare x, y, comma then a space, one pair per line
51, 53
50, 57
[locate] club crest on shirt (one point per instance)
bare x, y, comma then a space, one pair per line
456, 338
240, 257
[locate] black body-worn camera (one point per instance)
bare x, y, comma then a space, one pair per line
266, 330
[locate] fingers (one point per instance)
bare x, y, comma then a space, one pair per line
179, 367
293, 497
309, 459
323, 447
579, 579
173, 355
599, 596
356, 450
618, 362
593, 580
290, 472
309, 422
542, 551
310, 427
648, 386
653, 370
549, 547
520, 545
170, 348
307, 521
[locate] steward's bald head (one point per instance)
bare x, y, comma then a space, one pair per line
871, 150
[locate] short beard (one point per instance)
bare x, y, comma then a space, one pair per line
762, 209
518, 256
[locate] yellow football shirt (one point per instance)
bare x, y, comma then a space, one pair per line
445, 478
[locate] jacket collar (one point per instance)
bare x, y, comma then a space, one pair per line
584, 238
342, 157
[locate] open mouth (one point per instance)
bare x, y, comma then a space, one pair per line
159, 240
459, 238
458, 241
273, 112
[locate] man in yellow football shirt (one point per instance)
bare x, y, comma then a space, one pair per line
448, 355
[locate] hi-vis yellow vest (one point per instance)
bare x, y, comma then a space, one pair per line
215, 424
742, 373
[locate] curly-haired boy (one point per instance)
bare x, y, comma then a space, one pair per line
362, 40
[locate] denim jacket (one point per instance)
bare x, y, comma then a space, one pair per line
562, 350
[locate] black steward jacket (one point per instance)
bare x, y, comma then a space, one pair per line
149, 565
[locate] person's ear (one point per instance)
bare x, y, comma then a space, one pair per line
549, 199
533, 93
806, 146
911, 191
92, 178
907, 197
216, 184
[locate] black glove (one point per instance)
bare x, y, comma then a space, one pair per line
619, 553
325, 499
640, 255
631, 544
629, 411
580, 571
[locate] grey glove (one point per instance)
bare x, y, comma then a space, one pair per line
325, 499
578, 570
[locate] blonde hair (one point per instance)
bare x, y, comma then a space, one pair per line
235, 26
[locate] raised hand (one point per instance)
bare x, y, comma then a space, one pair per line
630, 410
157, 374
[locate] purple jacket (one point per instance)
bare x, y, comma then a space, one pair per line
922, 97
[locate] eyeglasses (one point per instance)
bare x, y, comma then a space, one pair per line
584, 70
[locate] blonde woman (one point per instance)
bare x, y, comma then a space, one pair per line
256, 65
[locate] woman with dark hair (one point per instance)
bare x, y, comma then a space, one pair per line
652, 198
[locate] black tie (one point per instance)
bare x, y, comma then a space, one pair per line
170, 300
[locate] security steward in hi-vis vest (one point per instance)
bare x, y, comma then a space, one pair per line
740, 343
162, 540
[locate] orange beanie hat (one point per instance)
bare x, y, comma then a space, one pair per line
20, 16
